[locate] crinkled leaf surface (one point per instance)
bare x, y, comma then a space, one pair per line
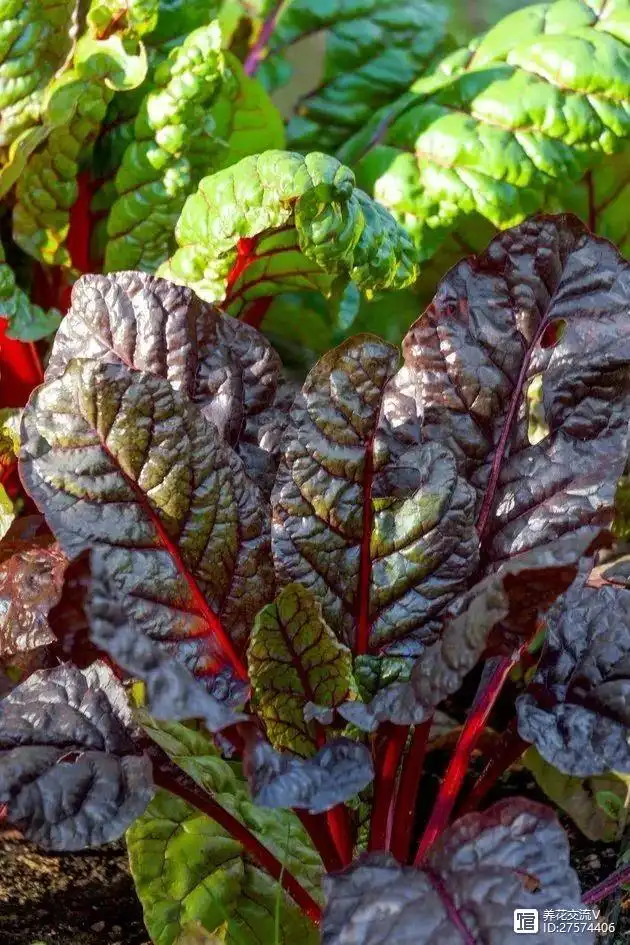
502, 123
104, 59
27, 322
225, 366
498, 614
31, 582
176, 19
194, 752
204, 113
36, 39
478, 873
577, 709
377, 525
398, 488
120, 461
294, 659
287, 222
69, 772
374, 51
591, 803
474, 360
187, 868
172, 691
339, 771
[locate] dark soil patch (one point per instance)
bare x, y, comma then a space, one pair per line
73, 899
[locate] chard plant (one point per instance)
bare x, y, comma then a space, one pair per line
251, 598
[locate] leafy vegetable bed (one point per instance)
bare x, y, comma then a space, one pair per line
314, 438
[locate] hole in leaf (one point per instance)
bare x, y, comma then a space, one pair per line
537, 426
553, 333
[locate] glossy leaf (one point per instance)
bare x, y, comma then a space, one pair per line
498, 615
75, 106
187, 868
474, 362
172, 692
287, 222
577, 709
226, 367
339, 771
377, 525
194, 752
294, 659
373, 52
502, 123
120, 461
37, 36
31, 581
71, 777
203, 114
483, 868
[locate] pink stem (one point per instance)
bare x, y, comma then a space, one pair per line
458, 767
607, 886
259, 49
509, 750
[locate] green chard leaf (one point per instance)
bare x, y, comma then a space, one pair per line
175, 20
27, 322
203, 114
287, 222
295, 659
193, 750
37, 37
75, 106
589, 802
187, 868
504, 123
374, 50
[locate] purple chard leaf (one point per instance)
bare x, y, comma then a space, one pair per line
226, 367
172, 692
336, 773
70, 773
513, 856
577, 709
120, 461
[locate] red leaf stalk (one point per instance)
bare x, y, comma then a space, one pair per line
197, 798
20, 369
390, 744
340, 827
458, 766
316, 826
259, 49
405, 807
607, 886
78, 241
508, 751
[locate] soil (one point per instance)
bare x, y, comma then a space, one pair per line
72, 899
